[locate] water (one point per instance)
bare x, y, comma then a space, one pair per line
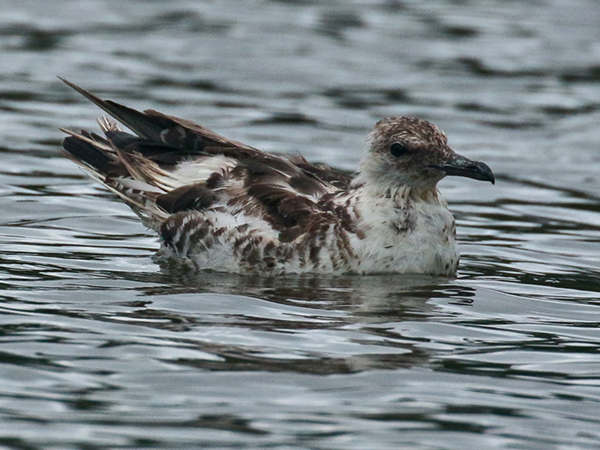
102, 348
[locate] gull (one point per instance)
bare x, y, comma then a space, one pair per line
221, 205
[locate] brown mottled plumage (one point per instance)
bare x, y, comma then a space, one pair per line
222, 205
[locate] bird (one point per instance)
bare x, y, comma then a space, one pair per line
221, 205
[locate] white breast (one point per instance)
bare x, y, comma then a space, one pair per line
415, 237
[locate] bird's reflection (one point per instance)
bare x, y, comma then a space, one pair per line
360, 312
387, 296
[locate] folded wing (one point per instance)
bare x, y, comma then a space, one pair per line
171, 165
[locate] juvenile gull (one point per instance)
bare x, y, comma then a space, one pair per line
222, 205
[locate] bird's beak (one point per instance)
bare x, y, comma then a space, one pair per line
463, 167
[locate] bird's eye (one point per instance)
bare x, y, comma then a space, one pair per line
398, 150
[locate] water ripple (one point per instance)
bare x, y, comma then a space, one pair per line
102, 347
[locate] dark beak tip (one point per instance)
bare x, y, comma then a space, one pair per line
461, 166
487, 173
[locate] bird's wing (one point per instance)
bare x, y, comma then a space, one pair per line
171, 165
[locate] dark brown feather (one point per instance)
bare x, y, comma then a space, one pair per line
288, 192
189, 137
185, 198
283, 208
86, 152
140, 123
322, 173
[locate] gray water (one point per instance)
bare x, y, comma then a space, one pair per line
101, 348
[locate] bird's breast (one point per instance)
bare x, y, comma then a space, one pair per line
411, 238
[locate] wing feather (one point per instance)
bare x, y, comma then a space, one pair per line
172, 165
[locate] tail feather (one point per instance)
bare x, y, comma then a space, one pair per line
138, 122
185, 137
149, 157
83, 151
135, 179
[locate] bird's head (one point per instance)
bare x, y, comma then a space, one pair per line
406, 152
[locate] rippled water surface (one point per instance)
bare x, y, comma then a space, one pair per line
102, 348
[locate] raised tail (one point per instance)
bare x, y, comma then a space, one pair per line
130, 165
124, 173
142, 168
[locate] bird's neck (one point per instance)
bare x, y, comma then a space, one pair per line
396, 193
